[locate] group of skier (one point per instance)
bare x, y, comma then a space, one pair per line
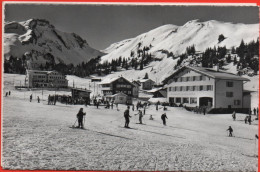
7, 93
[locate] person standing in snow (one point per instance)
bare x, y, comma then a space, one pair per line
234, 115
31, 98
254, 111
163, 117
38, 98
80, 116
140, 116
249, 120
127, 116
230, 131
9, 93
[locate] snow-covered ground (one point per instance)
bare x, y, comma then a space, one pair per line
37, 136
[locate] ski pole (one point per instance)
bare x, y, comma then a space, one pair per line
74, 123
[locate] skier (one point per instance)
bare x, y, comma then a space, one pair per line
49, 99
140, 116
246, 119
254, 111
234, 115
127, 116
9, 93
144, 110
230, 131
6, 94
112, 104
97, 103
163, 117
80, 118
249, 120
31, 98
38, 98
151, 117
204, 110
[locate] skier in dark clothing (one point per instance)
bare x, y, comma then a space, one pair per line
230, 131
140, 116
97, 103
234, 115
254, 111
31, 98
9, 93
204, 110
246, 118
163, 117
6, 94
249, 120
80, 118
127, 116
38, 98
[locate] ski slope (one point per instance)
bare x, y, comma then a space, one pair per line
33, 139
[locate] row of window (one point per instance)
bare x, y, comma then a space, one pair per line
193, 100
190, 78
126, 92
60, 82
123, 86
192, 88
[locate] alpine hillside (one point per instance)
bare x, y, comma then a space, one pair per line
162, 50
39, 41
172, 39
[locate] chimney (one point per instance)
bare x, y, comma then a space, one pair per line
216, 68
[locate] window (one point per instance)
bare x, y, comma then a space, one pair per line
191, 88
188, 78
201, 87
236, 102
181, 88
185, 100
229, 84
187, 88
193, 100
209, 87
229, 94
129, 92
201, 78
178, 100
170, 88
194, 78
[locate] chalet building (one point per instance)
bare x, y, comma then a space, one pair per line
213, 88
38, 78
158, 92
80, 96
117, 85
146, 84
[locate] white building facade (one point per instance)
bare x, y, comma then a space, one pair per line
37, 78
197, 86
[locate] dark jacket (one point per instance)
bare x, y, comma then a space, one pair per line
80, 115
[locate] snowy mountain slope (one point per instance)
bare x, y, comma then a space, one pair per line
176, 39
40, 36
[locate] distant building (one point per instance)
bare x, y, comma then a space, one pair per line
117, 85
146, 84
80, 96
136, 89
213, 88
119, 98
158, 92
38, 78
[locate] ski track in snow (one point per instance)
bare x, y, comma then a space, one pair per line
37, 136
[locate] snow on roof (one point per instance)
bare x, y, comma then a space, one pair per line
210, 72
217, 74
154, 90
144, 80
109, 80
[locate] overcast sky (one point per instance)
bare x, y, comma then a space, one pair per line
102, 25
